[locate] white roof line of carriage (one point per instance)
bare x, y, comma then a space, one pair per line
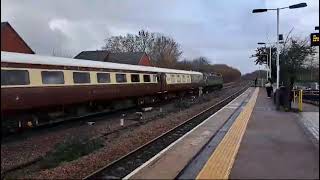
60, 61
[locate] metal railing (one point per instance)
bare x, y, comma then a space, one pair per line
311, 97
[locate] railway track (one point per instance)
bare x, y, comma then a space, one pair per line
94, 117
126, 164
311, 97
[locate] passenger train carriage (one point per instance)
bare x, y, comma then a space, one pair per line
38, 89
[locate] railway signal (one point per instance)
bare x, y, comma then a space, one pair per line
314, 39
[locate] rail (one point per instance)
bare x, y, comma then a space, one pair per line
127, 163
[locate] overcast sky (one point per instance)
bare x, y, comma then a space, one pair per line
225, 31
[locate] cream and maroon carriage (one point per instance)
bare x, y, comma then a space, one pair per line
39, 89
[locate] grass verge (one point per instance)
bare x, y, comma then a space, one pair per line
70, 150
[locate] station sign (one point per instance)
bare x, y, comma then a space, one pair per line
314, 39
280, 37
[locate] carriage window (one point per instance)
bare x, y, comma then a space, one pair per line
154, 78
81, 77
146, 78
103, 77
178, 78
168, 78
195, 78
173, 79
52, 77
121, 78
135, 78
15, 77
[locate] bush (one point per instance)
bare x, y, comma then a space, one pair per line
70, 150
182, 104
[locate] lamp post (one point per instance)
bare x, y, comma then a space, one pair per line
300, 5
268, 64
270, 54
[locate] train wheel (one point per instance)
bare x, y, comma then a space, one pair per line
35, 120
82, 110
140, 101
165, 97
9, 125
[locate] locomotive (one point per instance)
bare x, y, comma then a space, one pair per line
37, 90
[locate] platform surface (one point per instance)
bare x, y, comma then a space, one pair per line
259, 143
275, 145
309, 117
311, 122
171, 161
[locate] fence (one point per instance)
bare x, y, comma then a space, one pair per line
308, 96
311, 96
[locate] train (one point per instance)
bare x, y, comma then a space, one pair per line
37, 90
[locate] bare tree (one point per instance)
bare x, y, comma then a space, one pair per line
164, 51
202, 64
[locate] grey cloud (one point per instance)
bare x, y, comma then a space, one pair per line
224, 31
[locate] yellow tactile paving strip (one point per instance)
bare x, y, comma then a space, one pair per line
221, 161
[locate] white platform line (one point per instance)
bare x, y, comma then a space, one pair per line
178, 140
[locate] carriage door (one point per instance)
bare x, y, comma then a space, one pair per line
163, 82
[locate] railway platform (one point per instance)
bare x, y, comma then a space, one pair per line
279, 145
247, 139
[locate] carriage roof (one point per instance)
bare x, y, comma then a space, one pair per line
60, 61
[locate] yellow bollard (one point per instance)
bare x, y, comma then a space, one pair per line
297, 95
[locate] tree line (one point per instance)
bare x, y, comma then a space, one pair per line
202, 64
258, 74
165, 52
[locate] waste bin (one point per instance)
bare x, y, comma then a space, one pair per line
282, 98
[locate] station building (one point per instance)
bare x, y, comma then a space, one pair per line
11, 41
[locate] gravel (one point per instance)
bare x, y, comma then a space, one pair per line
19, 152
